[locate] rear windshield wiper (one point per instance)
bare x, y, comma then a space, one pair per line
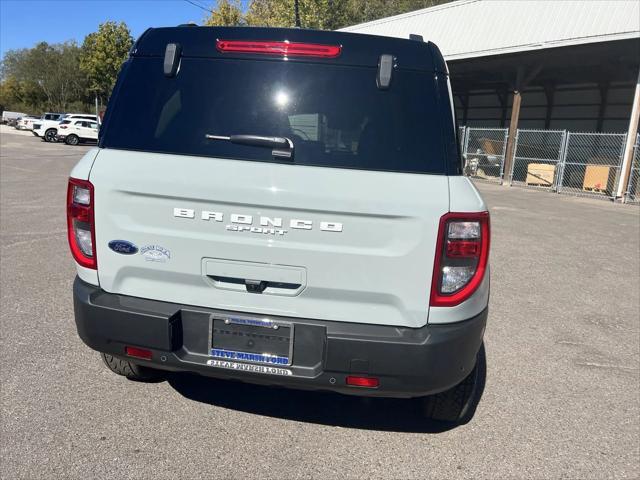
282, 146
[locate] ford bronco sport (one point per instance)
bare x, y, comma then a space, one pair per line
283, 207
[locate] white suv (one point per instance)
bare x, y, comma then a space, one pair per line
73, 132
26, 123
47, 129
284, 207
45, 126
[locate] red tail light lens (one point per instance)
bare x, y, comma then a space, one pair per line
462, 254
80, 222
283, 49
366, 382
136, 352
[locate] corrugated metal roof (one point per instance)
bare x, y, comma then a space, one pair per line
475, 28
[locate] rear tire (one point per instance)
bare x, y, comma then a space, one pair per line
50, 135
131, 370
457, 405
72, 140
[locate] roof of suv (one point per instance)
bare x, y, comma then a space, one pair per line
357, 49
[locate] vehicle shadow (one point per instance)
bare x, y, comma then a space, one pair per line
325, 408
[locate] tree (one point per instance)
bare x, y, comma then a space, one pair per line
43, 77
103, 53
319, 14
228, 13
359, 11
329, 14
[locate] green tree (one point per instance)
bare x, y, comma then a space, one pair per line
45, 77
318, 14
329, 14
360, 11
103, 53
228, 13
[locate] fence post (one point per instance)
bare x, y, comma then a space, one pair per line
625, 167
562, 162
562, 154
465, 148
622, 180
465, 141
512, 163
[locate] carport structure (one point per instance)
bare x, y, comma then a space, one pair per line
561, 65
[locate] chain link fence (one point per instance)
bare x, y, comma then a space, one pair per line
574, 163
633, 191
537, 158
483, 153
591, 164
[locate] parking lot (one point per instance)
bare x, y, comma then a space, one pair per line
563, 363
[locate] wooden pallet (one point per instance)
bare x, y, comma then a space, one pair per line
595, 190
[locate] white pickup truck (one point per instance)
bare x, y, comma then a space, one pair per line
283, 207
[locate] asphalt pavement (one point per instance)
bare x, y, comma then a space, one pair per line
561, 398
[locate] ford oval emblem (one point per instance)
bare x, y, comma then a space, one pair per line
123, 247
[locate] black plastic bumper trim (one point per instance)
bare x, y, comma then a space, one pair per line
409, 362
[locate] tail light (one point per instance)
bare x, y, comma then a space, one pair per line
284, 49
62, 126
80, 222
462, 254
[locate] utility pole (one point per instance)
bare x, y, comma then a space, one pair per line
296, 9
97, 112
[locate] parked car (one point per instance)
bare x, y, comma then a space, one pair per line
48, 121
73, 132
26, 123
10, 118
48, 129
284, 207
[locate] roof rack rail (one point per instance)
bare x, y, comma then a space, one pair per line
190, 24
416, 37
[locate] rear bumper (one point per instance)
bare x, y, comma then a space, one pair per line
408, 362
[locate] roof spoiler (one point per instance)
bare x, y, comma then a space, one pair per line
416, 37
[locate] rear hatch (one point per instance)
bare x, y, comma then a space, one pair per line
343, 230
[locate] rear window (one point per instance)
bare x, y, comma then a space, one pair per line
334, 114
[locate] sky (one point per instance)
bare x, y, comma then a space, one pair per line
23, 23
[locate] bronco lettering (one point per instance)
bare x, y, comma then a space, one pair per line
244, 223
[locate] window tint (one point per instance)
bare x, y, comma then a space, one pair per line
334, 114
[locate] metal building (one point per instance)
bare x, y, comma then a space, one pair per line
533, 64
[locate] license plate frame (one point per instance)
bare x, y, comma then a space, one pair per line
248, 326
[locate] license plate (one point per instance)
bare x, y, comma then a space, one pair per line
250, 339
